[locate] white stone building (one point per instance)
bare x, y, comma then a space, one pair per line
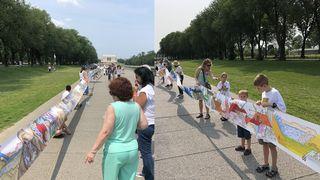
108, 59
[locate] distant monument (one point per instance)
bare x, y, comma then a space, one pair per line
108, 59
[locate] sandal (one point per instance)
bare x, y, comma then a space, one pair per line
207, 116
262, 168
272, 173
223, 119
239, 148
67, 131
200, 115
247, 152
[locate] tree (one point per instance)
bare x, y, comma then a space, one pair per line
304, 18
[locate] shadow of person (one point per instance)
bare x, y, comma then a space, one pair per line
229, 127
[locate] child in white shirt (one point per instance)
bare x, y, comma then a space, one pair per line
271, 97
224, 87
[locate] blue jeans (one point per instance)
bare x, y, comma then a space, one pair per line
86, 91
145, 141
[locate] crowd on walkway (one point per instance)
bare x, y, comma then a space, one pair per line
128, 125
270, 97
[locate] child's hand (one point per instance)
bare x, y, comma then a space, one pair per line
258, 103
265, 104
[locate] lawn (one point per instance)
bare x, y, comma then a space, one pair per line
23, 89
297, 81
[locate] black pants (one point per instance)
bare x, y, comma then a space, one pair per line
181, 80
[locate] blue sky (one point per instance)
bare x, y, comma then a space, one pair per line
120, 27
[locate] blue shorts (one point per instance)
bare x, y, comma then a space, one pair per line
243, 133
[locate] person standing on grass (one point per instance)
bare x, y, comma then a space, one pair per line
145, 98
121, 120
272, 98
201, 76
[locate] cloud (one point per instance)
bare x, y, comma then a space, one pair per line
66, 2
58, 23
67, 19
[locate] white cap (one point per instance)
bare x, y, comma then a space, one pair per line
146, 66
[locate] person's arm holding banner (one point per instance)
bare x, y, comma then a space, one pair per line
197, 75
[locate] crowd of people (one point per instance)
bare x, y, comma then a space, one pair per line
128, 125
270, 97
112, 71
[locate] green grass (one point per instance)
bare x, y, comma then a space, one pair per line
297, 81
23, 89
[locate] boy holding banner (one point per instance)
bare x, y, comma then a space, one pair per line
242, 132
271, 97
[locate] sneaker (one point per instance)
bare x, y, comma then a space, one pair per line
140, 174
180, 96
200, 115
247, 152
67, 131
207, 116
239, 148
223, 119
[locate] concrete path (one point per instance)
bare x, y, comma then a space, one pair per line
185, 147
63, 158
191, 148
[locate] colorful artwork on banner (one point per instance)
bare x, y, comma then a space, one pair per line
297, 137
19, 152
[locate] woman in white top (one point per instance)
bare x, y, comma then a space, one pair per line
119, 71
84, 76
145, 98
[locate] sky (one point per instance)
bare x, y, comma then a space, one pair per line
175, 15
120, 27
123, 27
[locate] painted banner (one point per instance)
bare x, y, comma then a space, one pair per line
295, 136
19, 152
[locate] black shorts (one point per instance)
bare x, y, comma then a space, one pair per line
243, 133
268, 143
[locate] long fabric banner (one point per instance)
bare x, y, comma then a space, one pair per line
295, 136
20, 151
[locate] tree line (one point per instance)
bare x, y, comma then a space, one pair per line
241, 28
140, 59
27, 34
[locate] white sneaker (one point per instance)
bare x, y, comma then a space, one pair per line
140, 174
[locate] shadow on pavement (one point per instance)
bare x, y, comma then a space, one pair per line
67, 139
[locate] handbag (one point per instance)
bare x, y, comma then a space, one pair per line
206, 84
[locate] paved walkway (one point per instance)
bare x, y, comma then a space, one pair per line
185, 147
63, 158
191, 148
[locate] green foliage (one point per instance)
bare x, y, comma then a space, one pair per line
30, 33
23, 89
140, 59
297, 81
234, 28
